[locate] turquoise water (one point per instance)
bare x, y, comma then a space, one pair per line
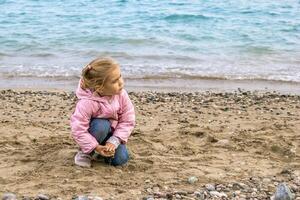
234, 39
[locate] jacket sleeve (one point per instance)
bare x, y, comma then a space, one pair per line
126, 118
80, 122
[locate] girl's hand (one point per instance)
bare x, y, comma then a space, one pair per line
102, 150
110, 147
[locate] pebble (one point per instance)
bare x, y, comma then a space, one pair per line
199, 195
155, 189
149, 190
9, 196
266, 180
283, 192
294, 188
210, 187
192, 179
217, 194
238, 186
42, 197
82, 198
253, 194
148, 181
97, 198
148, 198
236, 193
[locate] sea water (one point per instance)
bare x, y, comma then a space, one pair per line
232, 39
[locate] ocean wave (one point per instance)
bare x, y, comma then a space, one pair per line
291, 29
259, 50
178, 75
75, 74
45, 75
42, 55
186, 17
4, 54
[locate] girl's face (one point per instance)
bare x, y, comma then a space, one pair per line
114, 83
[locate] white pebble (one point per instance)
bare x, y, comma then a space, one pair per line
149, 190
9, 196
210, 187
155, 189
192, 179
217, 194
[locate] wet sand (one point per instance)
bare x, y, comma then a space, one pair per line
240, 144
158, 85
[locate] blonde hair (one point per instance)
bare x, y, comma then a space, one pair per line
95, 74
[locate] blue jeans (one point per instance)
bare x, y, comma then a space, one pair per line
100, 129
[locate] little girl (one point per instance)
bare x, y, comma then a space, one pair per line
104, 116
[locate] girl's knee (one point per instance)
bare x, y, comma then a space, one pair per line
121, 157
99, 128
120, 160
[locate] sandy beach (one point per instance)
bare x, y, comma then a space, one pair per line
237, 145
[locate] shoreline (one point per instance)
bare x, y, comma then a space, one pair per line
159, 85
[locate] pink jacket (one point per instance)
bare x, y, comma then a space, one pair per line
119, 110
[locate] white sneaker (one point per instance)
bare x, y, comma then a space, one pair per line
83, 159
